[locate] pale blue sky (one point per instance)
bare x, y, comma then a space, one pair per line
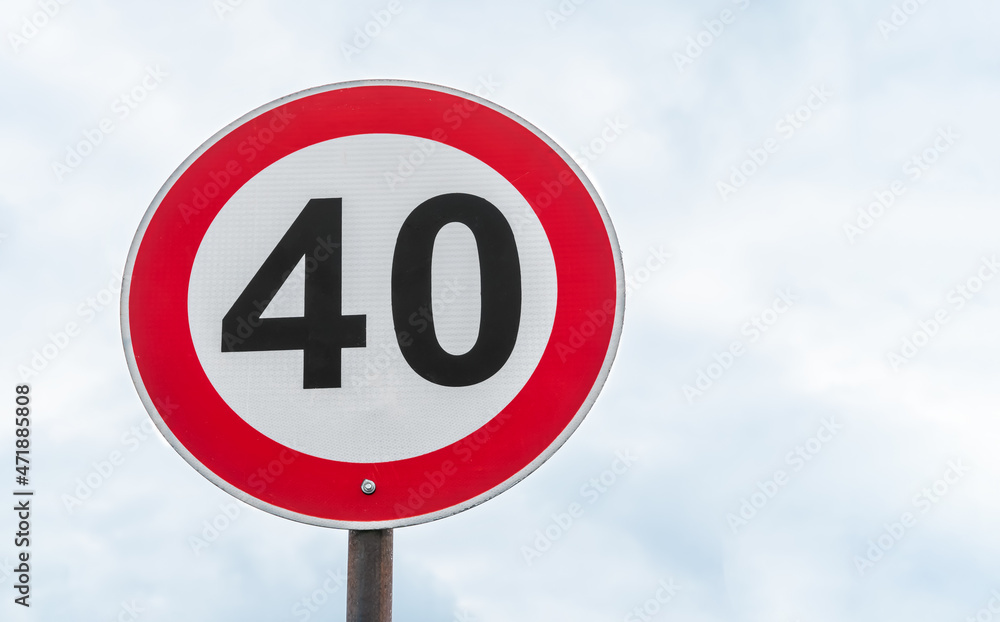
825, 357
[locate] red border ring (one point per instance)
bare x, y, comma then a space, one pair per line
266, 474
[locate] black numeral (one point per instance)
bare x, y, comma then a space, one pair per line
323, 331
500, 289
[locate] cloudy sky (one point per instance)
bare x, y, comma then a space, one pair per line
804, 389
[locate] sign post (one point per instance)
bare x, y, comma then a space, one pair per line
371, 305
369, 576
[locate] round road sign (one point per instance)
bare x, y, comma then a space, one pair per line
372, 304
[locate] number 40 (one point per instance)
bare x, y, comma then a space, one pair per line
323, 330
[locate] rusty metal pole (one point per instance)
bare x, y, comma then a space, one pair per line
369, 575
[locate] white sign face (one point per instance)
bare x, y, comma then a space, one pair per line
389, 284
383, 410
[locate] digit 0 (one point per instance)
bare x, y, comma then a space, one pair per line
500, 278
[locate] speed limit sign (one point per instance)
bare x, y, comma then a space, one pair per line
372, 304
